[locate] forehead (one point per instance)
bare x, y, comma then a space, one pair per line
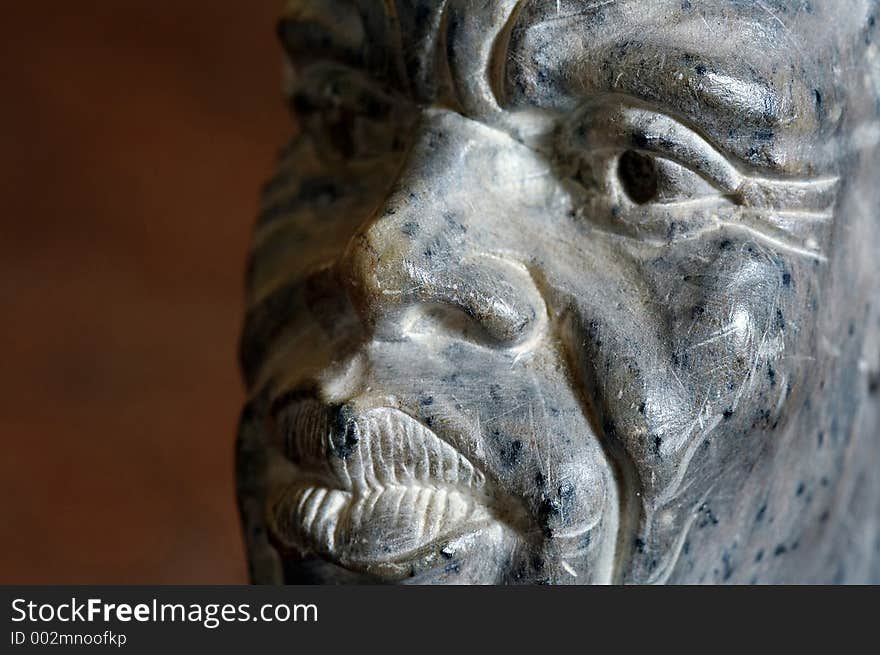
754, 75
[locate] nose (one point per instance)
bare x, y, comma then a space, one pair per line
430, 251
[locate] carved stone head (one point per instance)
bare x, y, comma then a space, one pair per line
568, 291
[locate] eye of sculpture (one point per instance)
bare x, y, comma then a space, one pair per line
639, 176
568, 292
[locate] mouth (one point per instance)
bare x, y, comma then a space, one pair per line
372, 491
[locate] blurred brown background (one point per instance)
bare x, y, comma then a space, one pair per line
135, 135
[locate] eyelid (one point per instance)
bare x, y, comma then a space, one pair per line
623, 127
815, 196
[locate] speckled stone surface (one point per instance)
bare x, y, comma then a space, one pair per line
568, 292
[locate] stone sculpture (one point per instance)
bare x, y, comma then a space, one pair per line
568, 291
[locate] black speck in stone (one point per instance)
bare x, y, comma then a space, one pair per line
585, 541
874, 383
707, 517
565, 492
728, 567
761, 511
452, 567
548, 508
345, 428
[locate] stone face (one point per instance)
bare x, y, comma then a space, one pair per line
568, 292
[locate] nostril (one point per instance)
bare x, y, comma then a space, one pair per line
498, 295
487, 300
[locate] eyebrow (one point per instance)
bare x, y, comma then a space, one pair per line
745, 98
621, 46
663, 73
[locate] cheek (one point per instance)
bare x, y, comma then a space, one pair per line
713, 359
738, 338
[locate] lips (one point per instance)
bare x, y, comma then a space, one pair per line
377, 488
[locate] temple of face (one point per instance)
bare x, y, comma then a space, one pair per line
568, 292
